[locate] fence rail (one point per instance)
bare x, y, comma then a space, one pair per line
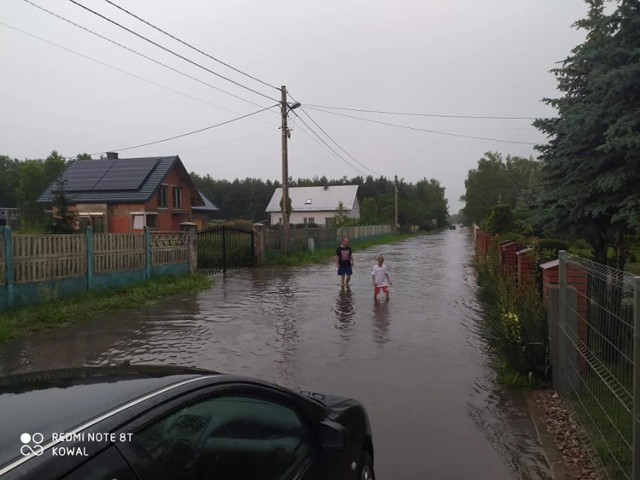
48, 257
169, 247
118, 251
599, 310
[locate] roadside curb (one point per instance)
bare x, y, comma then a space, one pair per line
552, 455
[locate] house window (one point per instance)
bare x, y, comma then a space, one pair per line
312, 220
162, 196
308, 202
138, 222
152, 220
177, 197
328, 221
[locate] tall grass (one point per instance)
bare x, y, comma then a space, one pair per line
60, 312
515, 324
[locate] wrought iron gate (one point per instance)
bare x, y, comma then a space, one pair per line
224, 248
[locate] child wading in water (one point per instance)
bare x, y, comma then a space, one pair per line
380, 278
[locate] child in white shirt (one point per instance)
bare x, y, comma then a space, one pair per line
380, 278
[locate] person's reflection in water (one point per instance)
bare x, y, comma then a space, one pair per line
345, 312
381, 322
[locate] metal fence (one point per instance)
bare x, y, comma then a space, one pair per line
299, 238
594, 355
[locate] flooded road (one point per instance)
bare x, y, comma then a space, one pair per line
417, 362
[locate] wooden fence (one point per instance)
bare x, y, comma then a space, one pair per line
116, 252
37, 258
76, 262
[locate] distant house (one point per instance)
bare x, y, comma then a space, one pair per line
118, 195
316, 205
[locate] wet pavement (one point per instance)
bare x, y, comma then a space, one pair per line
417, 362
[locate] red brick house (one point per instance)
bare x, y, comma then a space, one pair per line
118, 195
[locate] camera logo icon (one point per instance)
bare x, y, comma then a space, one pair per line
31, 444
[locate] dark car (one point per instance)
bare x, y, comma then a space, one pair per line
174, 423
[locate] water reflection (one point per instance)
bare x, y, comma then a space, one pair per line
381, 322
345, 312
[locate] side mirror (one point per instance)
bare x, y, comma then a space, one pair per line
333, 436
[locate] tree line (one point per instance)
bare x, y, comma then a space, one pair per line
584, 184
422, 203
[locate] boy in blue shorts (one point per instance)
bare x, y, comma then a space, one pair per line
344, 262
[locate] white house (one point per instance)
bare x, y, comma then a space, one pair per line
315, 204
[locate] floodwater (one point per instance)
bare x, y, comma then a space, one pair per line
417, 363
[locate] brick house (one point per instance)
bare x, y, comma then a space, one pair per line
117, 195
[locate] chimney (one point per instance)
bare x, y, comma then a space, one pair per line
112, 155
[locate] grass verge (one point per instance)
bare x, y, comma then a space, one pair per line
64, 311
324, 253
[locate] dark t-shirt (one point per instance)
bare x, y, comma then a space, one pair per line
344, 256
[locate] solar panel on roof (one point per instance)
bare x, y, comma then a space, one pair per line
82, 176
126, 174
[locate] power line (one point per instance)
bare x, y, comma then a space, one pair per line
422, 129
168, 50
257, 134
336, 143
328, 146
138, 53
114, 67
475, 117
188, 45
188, 133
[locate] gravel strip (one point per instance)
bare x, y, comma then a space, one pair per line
560, 422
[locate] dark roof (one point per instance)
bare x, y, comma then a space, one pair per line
123, 180
207, 207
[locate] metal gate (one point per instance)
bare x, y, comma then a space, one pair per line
224, 248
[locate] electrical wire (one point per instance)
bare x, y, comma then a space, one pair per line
336, 143
474, 117
114, 67
328, 146
139, 54
188, 45
437, 132
188, 133
257, 134
168, 50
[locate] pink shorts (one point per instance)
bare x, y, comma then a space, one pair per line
384, 288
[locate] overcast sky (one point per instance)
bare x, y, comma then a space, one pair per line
445, 57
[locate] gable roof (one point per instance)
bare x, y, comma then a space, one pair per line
123, 180
207, 207
321, 198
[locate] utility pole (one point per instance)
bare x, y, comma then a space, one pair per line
395, 226
285, 171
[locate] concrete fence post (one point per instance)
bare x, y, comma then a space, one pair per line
636, 379
147, 251
192, 229
9, 276
90, 269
